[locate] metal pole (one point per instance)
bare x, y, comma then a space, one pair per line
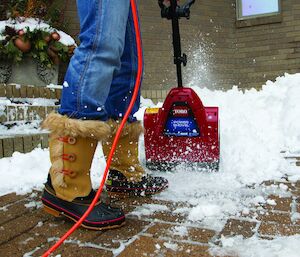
176, 41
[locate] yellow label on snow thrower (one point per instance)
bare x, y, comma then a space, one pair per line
152, 110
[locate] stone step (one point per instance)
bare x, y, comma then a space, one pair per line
22, 91
14, 113
22, 143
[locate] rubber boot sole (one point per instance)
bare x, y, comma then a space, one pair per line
57, 214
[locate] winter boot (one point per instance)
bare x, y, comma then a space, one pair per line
68, 191
127, 177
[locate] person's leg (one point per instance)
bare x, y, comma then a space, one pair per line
96, 60
80, 124
124, 79
126, 173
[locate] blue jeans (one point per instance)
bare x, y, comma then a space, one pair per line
102, 72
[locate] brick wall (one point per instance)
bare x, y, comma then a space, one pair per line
71, 18
206, 39
266, 51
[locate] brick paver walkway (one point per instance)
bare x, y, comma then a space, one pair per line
25, 230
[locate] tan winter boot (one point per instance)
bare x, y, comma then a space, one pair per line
127, 176
68, 190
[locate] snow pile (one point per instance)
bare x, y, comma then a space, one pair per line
23, 172
32, 24
278, 247
256, 126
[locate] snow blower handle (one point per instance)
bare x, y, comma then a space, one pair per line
172, 11
181, 11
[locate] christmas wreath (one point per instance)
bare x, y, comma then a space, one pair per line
26, 33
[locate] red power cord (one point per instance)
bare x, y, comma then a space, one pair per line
124, 120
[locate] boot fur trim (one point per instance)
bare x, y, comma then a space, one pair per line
133, 129
65, 126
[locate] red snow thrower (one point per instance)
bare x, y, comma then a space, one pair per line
182, 130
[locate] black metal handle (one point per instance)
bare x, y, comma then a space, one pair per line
180, 11
174, 12
184, 11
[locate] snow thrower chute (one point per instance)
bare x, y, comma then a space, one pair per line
182, 130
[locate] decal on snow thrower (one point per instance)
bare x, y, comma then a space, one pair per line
181, 122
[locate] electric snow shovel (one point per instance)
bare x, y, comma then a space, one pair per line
182, 130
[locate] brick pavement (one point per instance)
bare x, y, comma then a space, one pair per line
25, 230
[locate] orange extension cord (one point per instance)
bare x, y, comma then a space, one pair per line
131, 104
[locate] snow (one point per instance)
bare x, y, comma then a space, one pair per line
33, 204
180, 231
278, 247
255, 127
32, 24
295, 217
40, 101
4, 101
21, 129
172, 246
148, 209
2, 109
54, 86
203, 210
271, 202
32, 101
65, 84
23, 172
